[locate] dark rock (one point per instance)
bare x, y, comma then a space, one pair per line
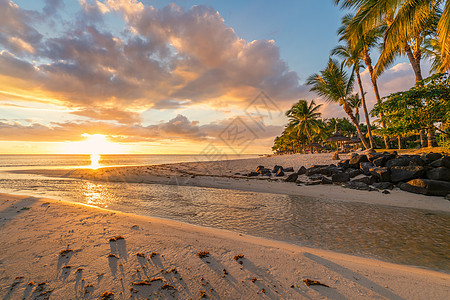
356, 185
405, 173
380, 162
372, 156
237, 173
313, 182
259, 168
326, 181
292, 177
441, 162
324, 170
440, 173
276, 168
397, 162
447, 197
316, 177
365, 167
382, 173
356, 160
336, 156
353, 172
301, 171
415, 160
427, 187
340, 177
280, 173
343, 164
386, 192
383, 185
366, 179
430, 157
251, 174
313, 170
264, 172
289, 169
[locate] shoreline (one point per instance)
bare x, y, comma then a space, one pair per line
222, 174
275, 265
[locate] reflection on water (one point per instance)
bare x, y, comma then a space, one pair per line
95, 161
401, 235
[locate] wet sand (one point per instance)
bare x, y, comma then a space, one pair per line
66, 250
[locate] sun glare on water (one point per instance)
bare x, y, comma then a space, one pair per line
95, 145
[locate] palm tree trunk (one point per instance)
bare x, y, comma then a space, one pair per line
368, 62
431, 137
414, 59
399, 139
309, 140
366, 113
349, 112
423, 138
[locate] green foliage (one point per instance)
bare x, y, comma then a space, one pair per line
420, 107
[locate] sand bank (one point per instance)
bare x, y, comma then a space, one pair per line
35, 231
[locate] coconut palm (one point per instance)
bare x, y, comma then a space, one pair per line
305, 118
352, 58
355, 103
409, 21
364, 42
336, 85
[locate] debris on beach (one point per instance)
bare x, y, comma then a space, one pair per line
239, 256
203, 254
106, 295
309, 282
116, 238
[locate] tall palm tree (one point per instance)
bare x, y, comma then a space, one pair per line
305, 118
352, 58
413, 48
336, 85
409, 21
364, 42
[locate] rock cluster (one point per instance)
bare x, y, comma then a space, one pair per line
427, 174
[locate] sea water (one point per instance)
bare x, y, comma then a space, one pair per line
401, 235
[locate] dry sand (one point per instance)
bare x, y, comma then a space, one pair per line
35, 231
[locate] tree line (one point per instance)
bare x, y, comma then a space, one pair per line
416, 29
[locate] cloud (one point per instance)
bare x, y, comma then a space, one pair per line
163, 58
179, 128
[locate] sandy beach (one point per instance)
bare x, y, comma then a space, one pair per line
61, 250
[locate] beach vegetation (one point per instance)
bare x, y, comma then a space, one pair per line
336, 85
424, 106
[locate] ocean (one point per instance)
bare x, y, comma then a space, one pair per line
400, 235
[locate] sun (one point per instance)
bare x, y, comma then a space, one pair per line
94, 144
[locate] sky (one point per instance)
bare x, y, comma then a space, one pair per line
161, 77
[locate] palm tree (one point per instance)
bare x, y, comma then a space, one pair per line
363, 43
336, 85
413, 48
305, 118
355, 103
352, 58
409, 21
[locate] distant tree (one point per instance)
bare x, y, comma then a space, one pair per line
305, 118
